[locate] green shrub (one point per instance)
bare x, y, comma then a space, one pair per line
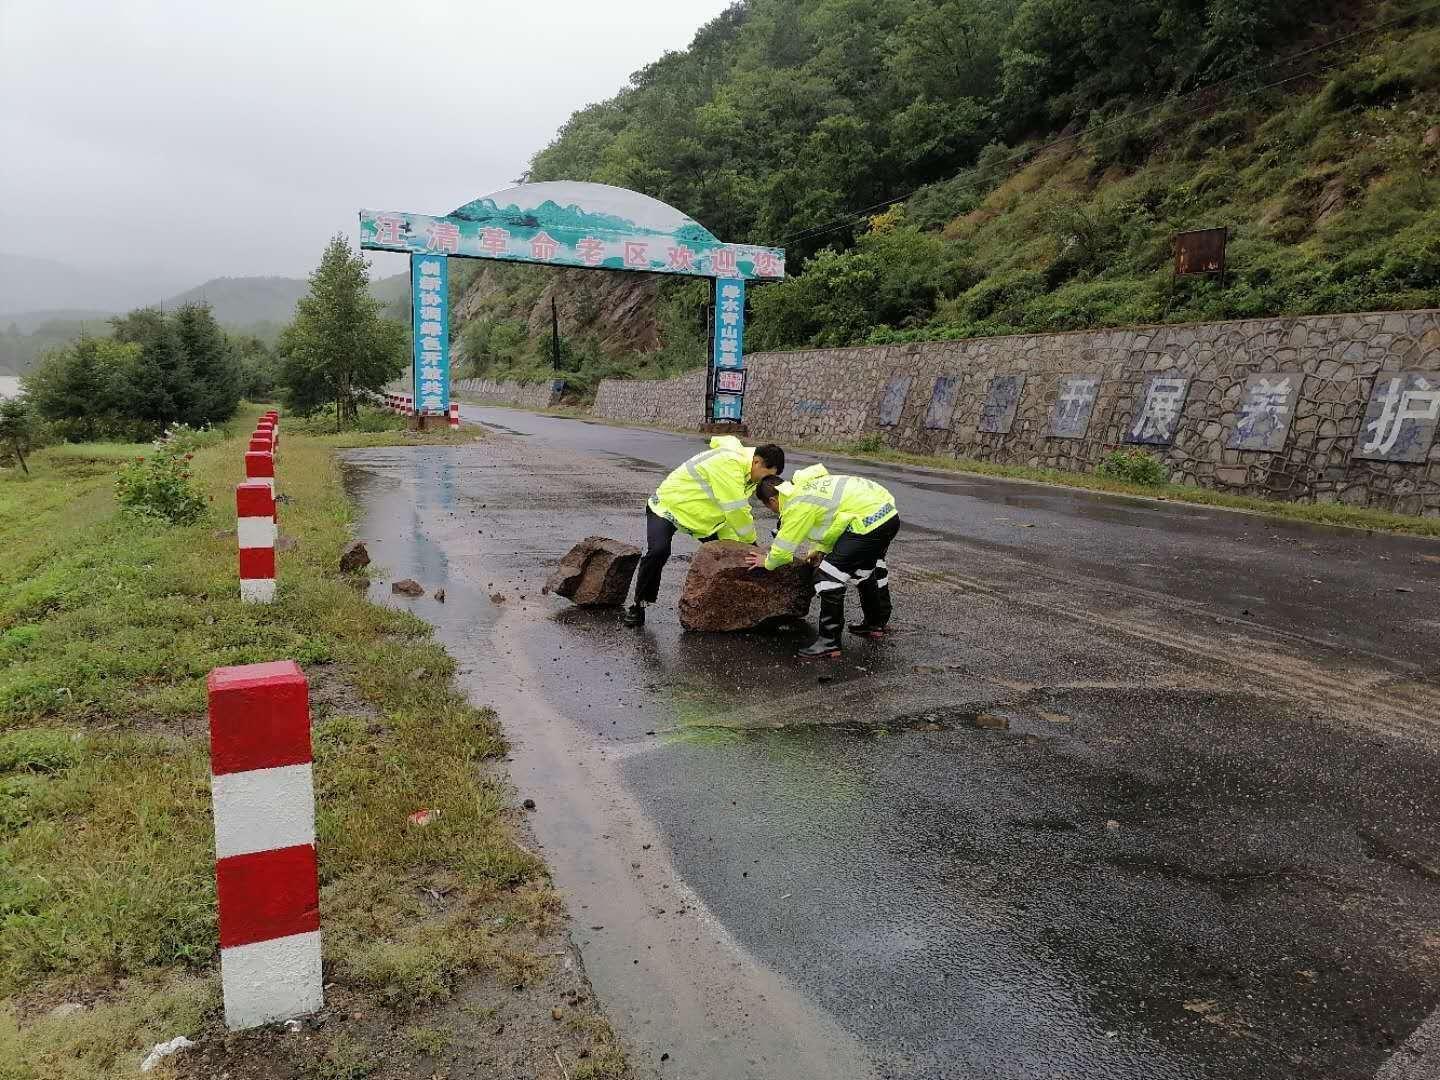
1120, 137
160, 486
186, 439
999, 297
870, 444
1225, 128
1133, 466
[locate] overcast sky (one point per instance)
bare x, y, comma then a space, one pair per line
233, 137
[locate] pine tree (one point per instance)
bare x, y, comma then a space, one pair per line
338, 346
17, 427
163, 389
214, 372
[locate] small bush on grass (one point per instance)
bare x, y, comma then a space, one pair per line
1134, 466
160, 486
870, 444
370, 420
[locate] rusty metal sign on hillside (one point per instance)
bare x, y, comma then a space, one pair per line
1201, 252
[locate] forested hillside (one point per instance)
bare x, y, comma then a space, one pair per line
994, 166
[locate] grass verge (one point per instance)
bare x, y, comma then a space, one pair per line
108, 626
1337, 514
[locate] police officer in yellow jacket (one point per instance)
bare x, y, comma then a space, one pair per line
709, 498
851, 521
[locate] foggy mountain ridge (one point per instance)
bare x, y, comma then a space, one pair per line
34, 291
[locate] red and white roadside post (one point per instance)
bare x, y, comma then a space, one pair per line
263, 792
454, 415
260, 466
256, 531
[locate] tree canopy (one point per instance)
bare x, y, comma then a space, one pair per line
155, 369
339, 347
784, 114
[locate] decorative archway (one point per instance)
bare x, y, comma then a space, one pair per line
578, 225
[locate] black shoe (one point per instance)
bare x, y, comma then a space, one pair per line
867, 630
823, 649
635, 615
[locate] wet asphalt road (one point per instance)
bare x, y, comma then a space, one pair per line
1139, 790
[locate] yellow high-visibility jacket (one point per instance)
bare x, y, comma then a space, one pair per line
819, 508
709, 496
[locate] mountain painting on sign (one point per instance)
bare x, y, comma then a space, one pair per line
572, 224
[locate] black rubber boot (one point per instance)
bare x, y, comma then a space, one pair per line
635, 615
832, 618
871, 631
874, 603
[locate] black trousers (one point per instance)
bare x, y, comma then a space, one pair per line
857, 560
659, 532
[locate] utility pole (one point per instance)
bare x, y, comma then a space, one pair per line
554, 334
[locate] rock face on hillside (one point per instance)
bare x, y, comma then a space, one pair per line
617, 310
723, 594
595, 573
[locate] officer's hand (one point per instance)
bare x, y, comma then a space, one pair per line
755, 560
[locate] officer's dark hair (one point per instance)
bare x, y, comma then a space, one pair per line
768, 490
773, 456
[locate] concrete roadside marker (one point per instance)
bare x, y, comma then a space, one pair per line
454, 415
263, 792
256, 532
260, 467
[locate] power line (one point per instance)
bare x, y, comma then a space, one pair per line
1026, 154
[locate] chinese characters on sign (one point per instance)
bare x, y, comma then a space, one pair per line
1265, 411
1159, 414
567, 223
1403, 415
430, 298
570, 236
729, 324
1070, 418
1001, 404
729, 349
942, 403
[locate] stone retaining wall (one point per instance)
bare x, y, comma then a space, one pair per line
1307, 394
678, 402
490, 392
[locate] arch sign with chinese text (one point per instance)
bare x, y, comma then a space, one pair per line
576, 225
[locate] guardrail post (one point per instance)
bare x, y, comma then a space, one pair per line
256, 532
263, 792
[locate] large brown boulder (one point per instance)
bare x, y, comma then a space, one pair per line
723, 594
595, 573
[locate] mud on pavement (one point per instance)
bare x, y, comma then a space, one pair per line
1055, 827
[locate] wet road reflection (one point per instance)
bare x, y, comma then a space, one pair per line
1012, 842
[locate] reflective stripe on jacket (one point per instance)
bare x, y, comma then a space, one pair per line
709, 495
821, 508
